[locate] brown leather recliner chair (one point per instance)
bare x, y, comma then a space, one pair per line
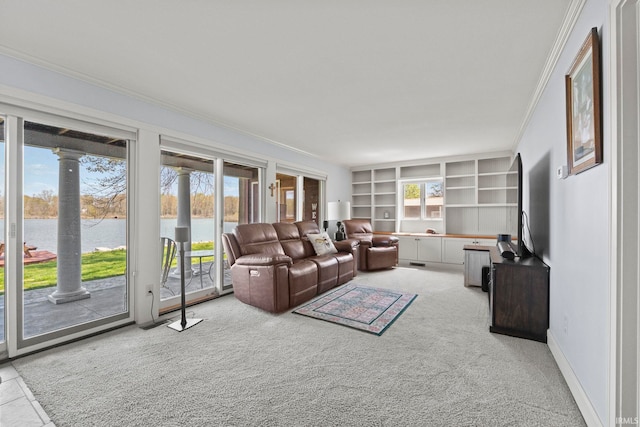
377, 251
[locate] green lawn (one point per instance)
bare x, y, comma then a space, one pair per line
95, 265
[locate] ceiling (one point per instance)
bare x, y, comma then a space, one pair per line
362, 81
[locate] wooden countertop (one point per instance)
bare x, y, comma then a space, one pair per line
457, 236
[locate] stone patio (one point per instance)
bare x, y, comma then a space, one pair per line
107, 298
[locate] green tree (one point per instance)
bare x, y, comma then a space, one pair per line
412, 191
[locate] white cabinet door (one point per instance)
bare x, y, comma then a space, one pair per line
452, 249
430, 249
407, 248
420, 249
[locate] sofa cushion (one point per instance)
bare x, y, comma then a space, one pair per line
327, 271
357, 227
257, 238
305, 228
381, 257
289, 237
322, 243
303, 281
345, 267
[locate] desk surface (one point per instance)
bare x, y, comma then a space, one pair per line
531, 261
476, 248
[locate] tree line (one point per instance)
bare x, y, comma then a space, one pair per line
45, 205
202, 205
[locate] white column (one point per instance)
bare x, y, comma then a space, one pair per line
69, 287
184, 211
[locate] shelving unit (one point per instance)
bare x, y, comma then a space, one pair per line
460, 184
420, 171
384, 199
374, 197
480, 194
361, 194
496, 185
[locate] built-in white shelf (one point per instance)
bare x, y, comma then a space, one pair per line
479, 194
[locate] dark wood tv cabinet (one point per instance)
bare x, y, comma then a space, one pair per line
519, 297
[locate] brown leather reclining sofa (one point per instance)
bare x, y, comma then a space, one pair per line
275, 267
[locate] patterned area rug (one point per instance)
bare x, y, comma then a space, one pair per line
361, 307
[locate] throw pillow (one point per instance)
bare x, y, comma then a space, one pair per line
322, 244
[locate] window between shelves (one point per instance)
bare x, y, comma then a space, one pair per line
422, 199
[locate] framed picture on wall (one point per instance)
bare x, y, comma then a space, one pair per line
584, 113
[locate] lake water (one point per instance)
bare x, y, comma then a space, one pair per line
108, 233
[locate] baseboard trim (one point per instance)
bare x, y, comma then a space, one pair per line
584, 404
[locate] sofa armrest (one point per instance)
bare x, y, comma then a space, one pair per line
264, 260
365, 242
347, 245
384, 240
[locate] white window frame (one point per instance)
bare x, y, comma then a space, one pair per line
423, 182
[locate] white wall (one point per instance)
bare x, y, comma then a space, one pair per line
28, 77
570, 222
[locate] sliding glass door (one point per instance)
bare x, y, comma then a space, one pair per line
72, 246
311, 200
299, 197
187, 198
241, 195
287, 198
2, 244
193, 194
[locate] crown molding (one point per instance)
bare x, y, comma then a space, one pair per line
571, 17
68, 72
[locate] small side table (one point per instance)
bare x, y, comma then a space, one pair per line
475, 257
201, 254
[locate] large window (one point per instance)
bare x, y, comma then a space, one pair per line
422, 199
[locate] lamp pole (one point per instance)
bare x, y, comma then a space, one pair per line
182, 235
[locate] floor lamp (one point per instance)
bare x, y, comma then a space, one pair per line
339, 211
182, 235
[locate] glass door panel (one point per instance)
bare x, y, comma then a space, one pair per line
287, 198
241, 195
187, 199
2, 228
74, 254
311, 200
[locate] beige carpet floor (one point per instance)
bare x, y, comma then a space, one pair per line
437, 365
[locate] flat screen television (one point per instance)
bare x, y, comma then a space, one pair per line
515, 180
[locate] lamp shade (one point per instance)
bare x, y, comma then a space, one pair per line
182, 234
338, 211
